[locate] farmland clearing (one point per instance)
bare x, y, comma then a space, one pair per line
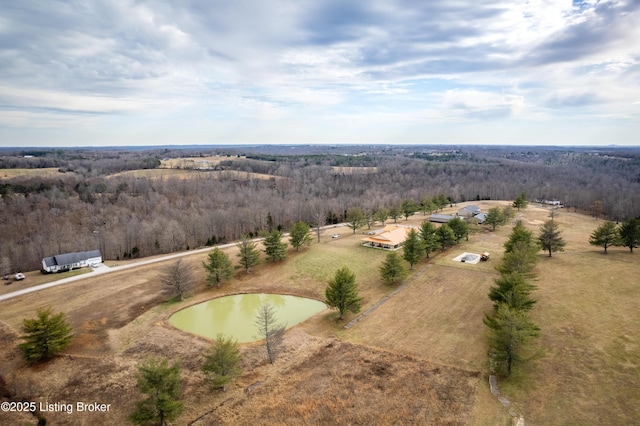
420, 357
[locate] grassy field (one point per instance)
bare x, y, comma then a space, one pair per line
166, 173
196, 163
588, 310
27, 173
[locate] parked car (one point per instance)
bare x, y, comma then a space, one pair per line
335, 236
19, 276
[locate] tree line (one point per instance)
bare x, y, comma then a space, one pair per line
127, 216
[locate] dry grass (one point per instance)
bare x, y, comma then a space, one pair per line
165, 173
28, 173
588, 310
196, 162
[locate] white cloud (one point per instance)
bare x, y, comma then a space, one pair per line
335, 66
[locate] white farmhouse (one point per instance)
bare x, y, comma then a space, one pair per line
67, 261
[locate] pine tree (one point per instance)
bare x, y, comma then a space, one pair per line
270, 330
381, 215
408, 208
395, 212
218, 266
521, 259
605, 235
355, 218
393, 270
342, 292
300, 235
460, 228
511, 331
630, 234
495, 217
274, 248
514, 291
45, 335
519, 234
413, 249
550, 239
428, 236
248, 253
445, 236
222, 362
161, 382
521, 201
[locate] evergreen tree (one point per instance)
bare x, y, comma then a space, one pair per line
222, 362
300, 235
445, 236
441, 201
395, 212
355, 218
409, 208
270, 330
393, 270
342, 292
218, 266
45, 335
381, 215
508, 213
495, 217
427, 206
549, 237
630, 234
248, 253
521, 201
511, 331
460, 228
519, 234
521, 259
161, 382
514, 291
413, 249
274, 248
428, 237
605, 235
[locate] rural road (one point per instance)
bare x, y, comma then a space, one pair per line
103, 269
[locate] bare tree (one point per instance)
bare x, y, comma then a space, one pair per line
178, 277
270, 330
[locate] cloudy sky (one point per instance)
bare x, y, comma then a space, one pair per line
151, 72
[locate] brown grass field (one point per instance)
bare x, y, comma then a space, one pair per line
27, 173
196, 162
420, 358
164, 173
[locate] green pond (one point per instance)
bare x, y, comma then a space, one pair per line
235, 315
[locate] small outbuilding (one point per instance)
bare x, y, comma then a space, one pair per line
481, 218
441, 218
67, 261
469, 211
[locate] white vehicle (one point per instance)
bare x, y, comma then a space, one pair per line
335, 236
19, 276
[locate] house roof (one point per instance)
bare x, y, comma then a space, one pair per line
472, 208
390, 235
71, 258
441, 217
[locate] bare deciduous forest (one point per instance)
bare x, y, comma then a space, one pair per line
108, 199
